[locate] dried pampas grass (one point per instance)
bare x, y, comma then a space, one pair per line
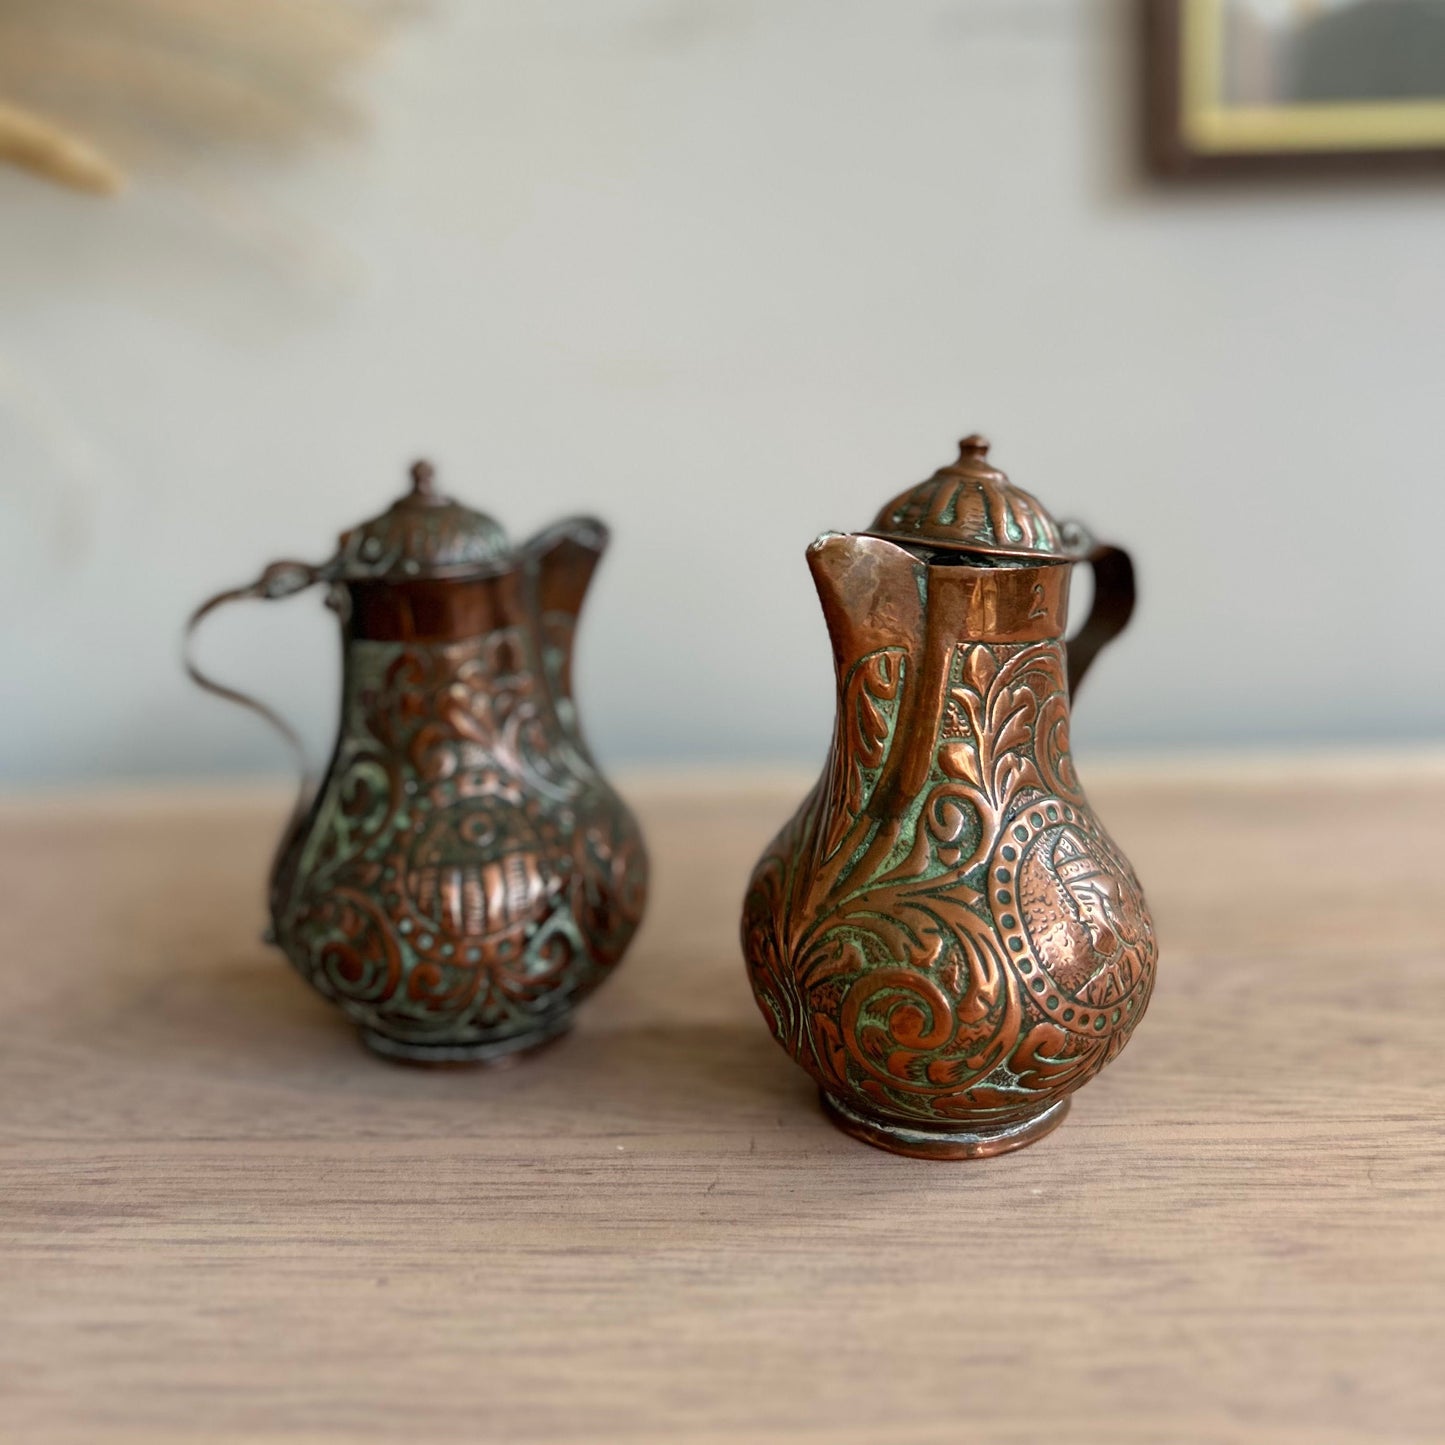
90, 88
35, 144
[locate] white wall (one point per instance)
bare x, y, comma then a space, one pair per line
729, 272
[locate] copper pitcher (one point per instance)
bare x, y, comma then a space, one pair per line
463, 874
944, 936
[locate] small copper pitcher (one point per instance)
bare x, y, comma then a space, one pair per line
944, 936
463, 875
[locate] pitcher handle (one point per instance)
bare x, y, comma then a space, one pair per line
1113, 606
280, 579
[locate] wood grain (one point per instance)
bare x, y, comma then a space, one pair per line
222, 1220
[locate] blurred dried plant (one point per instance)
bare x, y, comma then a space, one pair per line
90, 89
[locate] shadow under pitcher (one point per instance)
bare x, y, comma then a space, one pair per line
463, 875
943, 935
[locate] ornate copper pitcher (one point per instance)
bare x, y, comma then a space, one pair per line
463, 875
944, 936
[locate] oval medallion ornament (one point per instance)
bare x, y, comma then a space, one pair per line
1071, 915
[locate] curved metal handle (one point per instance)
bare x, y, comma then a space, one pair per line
1114, 595
280, 579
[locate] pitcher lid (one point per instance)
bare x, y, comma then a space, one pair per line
971, 506
423, 534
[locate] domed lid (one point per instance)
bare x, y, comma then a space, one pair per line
424, 534
970, 506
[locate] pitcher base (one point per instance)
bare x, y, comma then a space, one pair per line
498, 1053
921, 1141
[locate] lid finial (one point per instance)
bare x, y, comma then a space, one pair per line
973, 445
423, 474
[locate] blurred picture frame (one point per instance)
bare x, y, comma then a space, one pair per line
1280, 86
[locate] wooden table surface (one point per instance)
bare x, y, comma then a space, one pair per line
222, 1220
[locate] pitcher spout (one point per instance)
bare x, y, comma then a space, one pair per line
561, 561
872, 592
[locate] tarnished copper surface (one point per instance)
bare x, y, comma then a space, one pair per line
423, 534
970, 505
944, 935
463, 875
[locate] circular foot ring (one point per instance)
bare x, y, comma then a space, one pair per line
921, 1141
496, 1052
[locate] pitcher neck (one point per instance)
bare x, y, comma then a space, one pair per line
433, 611
909, 625
880, 596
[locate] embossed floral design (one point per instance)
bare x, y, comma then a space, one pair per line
467, 873
887, 955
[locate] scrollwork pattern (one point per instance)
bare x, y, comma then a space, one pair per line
466, 874
969, 952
